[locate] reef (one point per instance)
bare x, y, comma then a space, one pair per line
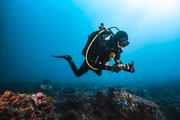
77, 103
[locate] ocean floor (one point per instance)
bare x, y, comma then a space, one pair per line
65, 101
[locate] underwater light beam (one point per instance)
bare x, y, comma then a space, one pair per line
158, 18
142, 16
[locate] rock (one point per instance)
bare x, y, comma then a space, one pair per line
111, 104
101, 98
132, 107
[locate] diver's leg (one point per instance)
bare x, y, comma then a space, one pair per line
83, 69
98, 72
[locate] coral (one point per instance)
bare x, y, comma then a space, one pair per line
16, 106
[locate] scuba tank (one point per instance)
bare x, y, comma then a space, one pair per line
90, 38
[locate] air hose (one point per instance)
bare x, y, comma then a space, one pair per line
89, 48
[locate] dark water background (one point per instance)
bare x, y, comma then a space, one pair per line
33, 30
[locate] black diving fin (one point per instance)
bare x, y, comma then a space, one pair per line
67, 57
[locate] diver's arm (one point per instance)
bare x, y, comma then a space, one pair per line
120, 66
117, 59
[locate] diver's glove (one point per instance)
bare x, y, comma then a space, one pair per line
117, 67
129, 67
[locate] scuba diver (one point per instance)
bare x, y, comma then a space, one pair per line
102, 46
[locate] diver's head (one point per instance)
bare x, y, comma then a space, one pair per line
121, 38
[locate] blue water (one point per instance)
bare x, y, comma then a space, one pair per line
33, 30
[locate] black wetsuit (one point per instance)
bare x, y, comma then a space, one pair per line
98, 54
84, 68
97, 49
103, 57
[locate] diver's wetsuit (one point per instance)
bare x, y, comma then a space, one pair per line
100, 64
96, 50
84, 68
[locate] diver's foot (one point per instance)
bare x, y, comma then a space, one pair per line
66, 57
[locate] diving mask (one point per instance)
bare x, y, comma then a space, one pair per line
123, 42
